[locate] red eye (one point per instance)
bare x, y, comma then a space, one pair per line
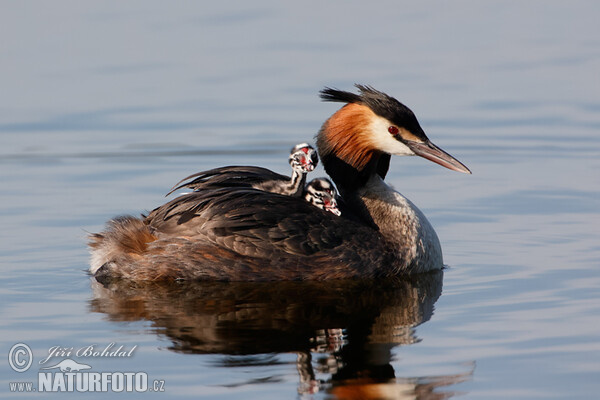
393, 130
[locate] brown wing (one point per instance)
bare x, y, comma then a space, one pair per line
257, 224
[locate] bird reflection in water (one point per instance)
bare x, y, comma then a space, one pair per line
350, 327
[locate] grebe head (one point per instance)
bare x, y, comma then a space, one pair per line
373, 123
303, 158
321, 193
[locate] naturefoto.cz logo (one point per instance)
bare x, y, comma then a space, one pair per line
69, 375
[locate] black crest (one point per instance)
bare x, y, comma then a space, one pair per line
381, 104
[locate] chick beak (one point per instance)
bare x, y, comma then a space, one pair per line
331, 206
433, 153
308, 164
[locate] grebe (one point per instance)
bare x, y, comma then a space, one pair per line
245, 234
303, 159
321, 193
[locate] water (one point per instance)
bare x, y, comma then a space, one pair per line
103, 109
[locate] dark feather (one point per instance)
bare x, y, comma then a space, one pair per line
340, 96
266, 226
231, 176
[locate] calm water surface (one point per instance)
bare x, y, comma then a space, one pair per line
103, 109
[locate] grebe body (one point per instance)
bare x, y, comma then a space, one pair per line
236, 232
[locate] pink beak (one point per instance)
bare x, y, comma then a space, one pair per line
433, 153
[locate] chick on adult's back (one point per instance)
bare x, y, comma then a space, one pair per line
303, 159
241, 233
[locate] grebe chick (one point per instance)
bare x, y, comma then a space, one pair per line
237, 233
303, 159
321, 193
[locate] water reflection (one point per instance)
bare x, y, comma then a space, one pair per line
350, 327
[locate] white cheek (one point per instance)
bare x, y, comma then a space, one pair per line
382, 140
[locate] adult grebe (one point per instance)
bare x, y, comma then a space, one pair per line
303, 159
240, 233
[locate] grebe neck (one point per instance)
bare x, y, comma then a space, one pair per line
398, 220
401, 223
297, 182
